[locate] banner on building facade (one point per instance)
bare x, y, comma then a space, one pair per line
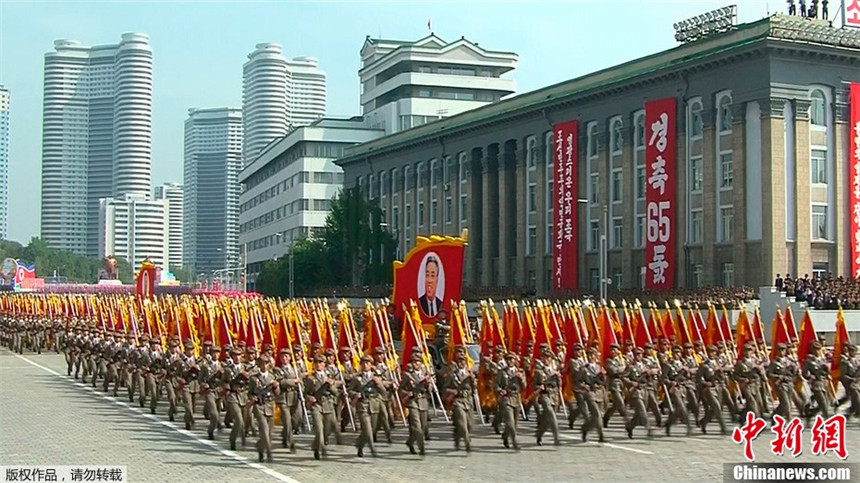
146, 279
565, 193
854, 178
431, 275
851, 13
660, 199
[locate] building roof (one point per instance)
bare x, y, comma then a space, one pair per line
795, 30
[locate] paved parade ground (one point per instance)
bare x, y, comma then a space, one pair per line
47, 418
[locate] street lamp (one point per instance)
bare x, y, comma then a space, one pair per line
603, 250
383, 225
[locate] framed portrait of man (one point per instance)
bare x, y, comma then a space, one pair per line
431, 285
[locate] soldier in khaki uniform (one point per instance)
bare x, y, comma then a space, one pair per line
321, 402
263, 387
547, 382
386, 420
816, 371
510, 381
615, 367
710, 381
782, 372
416, 385
349, 371
849, 377
189, 384
287, 397
635, 378
589, 383
235, 381
461, 384
674, 379
366, 391
747, 375
211, 374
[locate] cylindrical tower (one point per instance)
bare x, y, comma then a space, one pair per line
132, 142
264, 99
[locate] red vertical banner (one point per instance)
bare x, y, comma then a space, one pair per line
565, 193
854, 195
660, 199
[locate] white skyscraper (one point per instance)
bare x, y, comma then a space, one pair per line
172, 192
213, 159
278, 95
135, 229
96, 135
4, 163
407, 84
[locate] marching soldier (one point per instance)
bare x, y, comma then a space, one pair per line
710, 380
494, 366
615, 368
349, 371
675, 378
724, 361
263, 387
547, 382
589, 383
782, 372
510, 382
170, 377
287, 397
248, 409
302, 371
461, 385
338, 389
236, 380
690, 368
747, 376
817, 372
189, 384
849, 378
652, 373
211, 374
109, 359
157, 369
144, 362
573, 367
366, 391
321, 405
417, 381
636, 379
386, 419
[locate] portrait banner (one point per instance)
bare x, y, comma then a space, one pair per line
431, 275
565, 195
146, 280
660, 199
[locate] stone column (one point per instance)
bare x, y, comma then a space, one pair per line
739, 205
507, 193
476, 214
519, 170
774, 252
802, 188
841, 137
710, 194
490, 212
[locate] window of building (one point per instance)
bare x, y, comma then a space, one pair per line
819, 222
423, 93
450, 170
642, 272
395, 218
640, 131
697, 275
696, 226
617, 233
818, 108
617, 278
548, 245
640, 231
531, 152
532, 199
434, 209
617, 188
593, 235
464, 207
420, 213
617, 137
727, 220
406, 184
696, 173
594, 279
531, 241
594, 188
434, 178
592, 139
725, 113
820, 269
729, 274
640, 182
696, 123
818, 161
449, 207
727, 171
463, 168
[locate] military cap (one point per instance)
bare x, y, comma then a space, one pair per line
262, 359
815, 345
511, 356
207, 343
500, 349
698, 343
712, 348
543, 345
189, 344
416, 350
687, 345
319, 358
284, 351
345, 349
628, 342
749, 346
649, 345
577, 347
379, 350
366, 358
329, 352
676, 348
267, 347
781, 346
251, 349
174, 343
316, 345
415, 357
144, 337
851, 347
215, 348
241, 344
558, 343
592, 351
638, 350
297, 348
614, 346
154, 341
236, 352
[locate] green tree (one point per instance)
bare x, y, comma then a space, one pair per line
183, 274
310, 270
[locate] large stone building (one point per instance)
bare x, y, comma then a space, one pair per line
762, 164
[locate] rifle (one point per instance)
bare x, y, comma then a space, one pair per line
346, 398
301, 393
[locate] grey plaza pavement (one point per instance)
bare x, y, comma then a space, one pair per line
47, 418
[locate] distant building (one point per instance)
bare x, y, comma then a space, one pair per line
407, 84
289, 186
172, 192
213, 159
278, 94
4, 162
96, 135
135, 228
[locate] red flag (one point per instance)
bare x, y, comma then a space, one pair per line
789, 324
643, 334
842, 338
778, 334
607, 335
744, 333
712, 334
667, 326
410, 339
807, 336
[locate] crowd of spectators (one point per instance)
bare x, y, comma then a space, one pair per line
818, 292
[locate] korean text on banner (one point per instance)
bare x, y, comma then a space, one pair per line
565, 148
660, 196
854, 178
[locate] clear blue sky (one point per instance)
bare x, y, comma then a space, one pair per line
199, 49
